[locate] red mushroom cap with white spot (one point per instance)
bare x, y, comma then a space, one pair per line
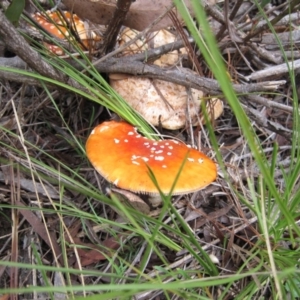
58, 25
121, 155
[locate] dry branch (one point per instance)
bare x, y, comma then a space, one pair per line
132, 65
19, 45
275, 70
111, 34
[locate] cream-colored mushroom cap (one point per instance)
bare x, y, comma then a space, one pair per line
151, 40
159, 102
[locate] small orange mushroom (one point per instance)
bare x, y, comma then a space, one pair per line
59, 25
121, 155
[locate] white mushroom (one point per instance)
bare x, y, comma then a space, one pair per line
150, 41
159, 102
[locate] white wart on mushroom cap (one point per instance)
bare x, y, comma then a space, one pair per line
121, 155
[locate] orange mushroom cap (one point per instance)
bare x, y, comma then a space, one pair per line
58, 26
121, 155
55, 24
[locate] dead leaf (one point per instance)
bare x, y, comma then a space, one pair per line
44, 189
40, 228
97, 254
132, 200
89, 253
140, 15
